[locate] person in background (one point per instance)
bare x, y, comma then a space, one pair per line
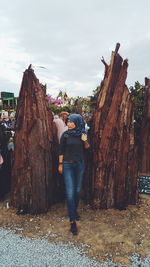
1, 158
12, 124
71, 164
4, 123
60, 123
59, 126
10, 145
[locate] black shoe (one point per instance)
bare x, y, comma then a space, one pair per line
21, 212
23, 209
78, 217
73, 228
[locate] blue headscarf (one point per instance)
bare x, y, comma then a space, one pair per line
80, 125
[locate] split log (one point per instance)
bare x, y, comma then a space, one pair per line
114, 171
32, 185
144, 153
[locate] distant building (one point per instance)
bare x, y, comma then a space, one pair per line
8, 101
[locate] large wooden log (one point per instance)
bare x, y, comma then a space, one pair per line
32, 185
144, 153
114, 171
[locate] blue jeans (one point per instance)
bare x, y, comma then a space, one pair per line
73, 177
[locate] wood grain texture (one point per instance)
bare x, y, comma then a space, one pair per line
32, 180
114, 170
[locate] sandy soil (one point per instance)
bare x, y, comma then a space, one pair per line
104, 234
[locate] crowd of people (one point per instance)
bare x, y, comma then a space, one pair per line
7, 126
7, 131
7, 123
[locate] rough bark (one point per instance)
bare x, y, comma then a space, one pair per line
144, 154
32, 184
114, 171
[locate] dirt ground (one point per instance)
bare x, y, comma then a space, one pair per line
104, 234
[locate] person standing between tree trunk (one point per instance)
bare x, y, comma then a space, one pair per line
71, 164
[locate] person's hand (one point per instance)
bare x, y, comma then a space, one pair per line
84, 137
60, 168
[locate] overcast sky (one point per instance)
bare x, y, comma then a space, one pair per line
68, 38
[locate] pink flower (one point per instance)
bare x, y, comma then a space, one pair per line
58, 102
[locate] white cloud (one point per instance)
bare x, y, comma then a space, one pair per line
12, 63
69, 38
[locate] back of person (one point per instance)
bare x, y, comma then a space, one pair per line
61, 124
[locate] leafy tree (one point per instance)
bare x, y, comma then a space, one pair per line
137, 92
93, 97
95, 94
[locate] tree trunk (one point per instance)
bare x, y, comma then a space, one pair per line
144, 155
32, 184
114, 171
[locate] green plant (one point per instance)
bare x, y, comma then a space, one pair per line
137, 92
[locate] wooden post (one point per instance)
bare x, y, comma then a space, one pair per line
32, 184
114, 168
